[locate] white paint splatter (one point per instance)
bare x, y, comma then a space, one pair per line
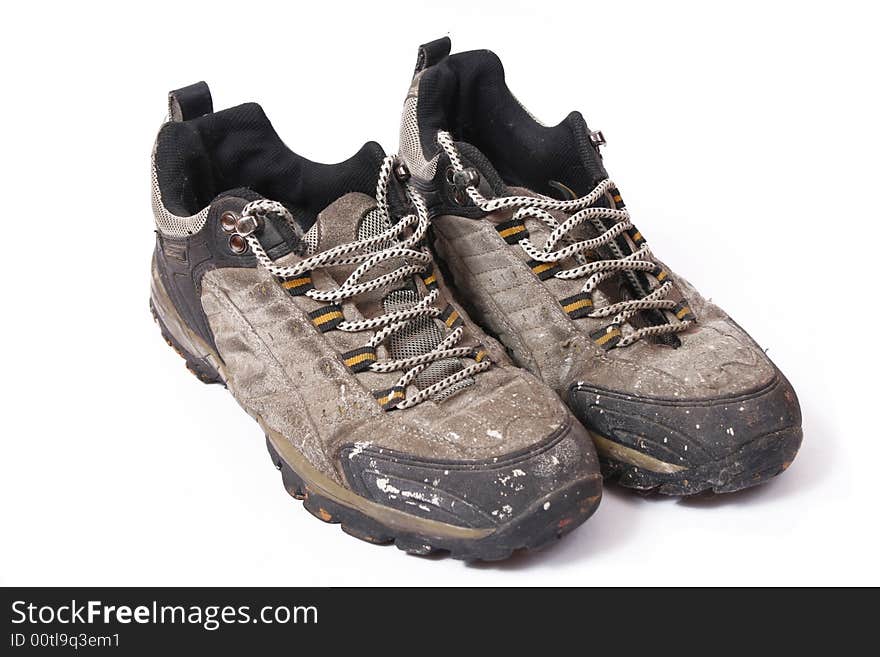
385, 487
359, 447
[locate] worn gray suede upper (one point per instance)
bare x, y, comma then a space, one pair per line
281, 368
536, 239
715, 357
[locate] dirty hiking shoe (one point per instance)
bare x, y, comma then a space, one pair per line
385, 408
543, 253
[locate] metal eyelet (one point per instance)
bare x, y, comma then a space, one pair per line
247, 225
237, 244
450, 175
460, 182
466, 178
227, 221
401, 172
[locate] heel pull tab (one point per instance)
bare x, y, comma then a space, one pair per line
432, 53
189, 102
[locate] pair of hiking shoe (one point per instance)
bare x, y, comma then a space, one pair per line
449, 348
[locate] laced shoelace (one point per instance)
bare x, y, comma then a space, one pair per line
369, 253
560, 245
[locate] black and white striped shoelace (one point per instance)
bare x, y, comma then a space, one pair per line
559, 246
403, 243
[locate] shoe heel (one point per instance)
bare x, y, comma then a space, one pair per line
203, 371
200, 358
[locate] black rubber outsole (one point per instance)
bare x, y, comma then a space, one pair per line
529, 531
753, 464
533, 529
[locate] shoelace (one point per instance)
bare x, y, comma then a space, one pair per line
392, 244
560, 245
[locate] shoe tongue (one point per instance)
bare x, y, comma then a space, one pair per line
352, 217
349, 218
356, 217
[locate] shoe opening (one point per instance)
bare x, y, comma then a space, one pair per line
466, 95
198, 159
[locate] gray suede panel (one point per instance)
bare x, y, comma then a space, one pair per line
283, 369
716, 357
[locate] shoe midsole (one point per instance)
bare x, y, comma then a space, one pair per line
610, 449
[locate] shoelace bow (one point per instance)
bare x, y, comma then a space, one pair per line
560, 245
391, 244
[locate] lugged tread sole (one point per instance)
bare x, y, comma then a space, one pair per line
533, 529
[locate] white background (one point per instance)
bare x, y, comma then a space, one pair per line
745, 140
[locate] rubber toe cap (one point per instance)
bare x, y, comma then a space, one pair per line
480, 494
709, 441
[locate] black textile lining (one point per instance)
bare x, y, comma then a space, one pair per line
466, 95
199, 159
